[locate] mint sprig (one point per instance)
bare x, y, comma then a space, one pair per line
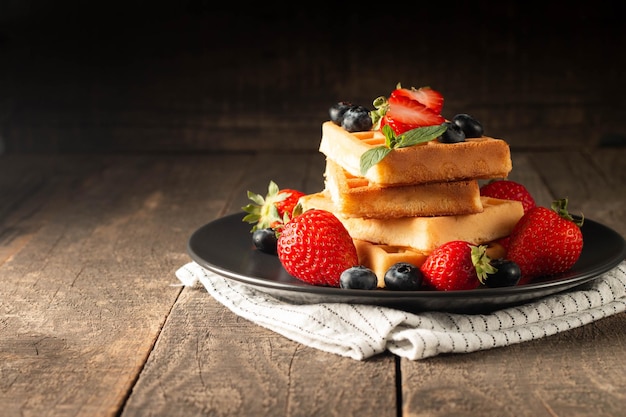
412, 137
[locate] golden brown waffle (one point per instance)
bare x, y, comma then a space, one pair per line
358, 197
424, 234
478, 158
379, 258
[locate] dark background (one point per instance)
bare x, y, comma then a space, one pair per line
190, 76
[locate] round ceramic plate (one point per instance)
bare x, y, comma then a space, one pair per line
225, 247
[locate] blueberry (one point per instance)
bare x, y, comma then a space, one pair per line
403, 276
472, 127
453, 134
265, 240
357, 119
358, 278
337, 111
507, 274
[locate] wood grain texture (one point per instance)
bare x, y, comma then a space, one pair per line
576, 373
83, 301
93, 322
189, 77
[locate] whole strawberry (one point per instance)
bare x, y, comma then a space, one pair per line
316, 248
546, 241
273, 210
456, 265
509, 190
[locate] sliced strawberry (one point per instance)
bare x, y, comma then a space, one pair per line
405, 114
427, 96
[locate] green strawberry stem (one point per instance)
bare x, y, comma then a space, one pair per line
481, 262
262, 212
560, 207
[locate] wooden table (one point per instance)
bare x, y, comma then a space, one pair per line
94, 323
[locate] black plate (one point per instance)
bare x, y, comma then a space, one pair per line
225, 247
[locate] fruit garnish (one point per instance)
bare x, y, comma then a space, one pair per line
546, 241
265, 240
357, 119
506, 274
413, 137
403, 114
337, 110
352, 117
508, 190
403, 276
273, 210
453, 133
358, 277
407, 109
316, 248
427, 96
470, 126
456, 265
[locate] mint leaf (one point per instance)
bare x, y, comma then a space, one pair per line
390, 137
420, 135
413, 137
373, 156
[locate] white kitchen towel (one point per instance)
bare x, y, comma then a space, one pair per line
362, 331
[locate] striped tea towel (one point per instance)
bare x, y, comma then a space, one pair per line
362, 331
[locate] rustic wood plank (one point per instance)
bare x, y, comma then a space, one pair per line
28, 187
83, 301
216, 363
549, 376
593, 183
209, 361
577, 373
80, 316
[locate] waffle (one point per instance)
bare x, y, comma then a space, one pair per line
424, 234
477, 158
358, 197
379, 258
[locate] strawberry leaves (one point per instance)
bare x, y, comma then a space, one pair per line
411, 138
273, 210
560, 207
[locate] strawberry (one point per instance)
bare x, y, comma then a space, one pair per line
404, 114
456, 265
427, 96
509, 190
546, 241
316, 248
274, 209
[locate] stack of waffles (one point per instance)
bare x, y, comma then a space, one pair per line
414, 200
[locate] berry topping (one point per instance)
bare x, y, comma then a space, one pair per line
316, 248
403, 114
456, 265
506, 274
453, 133
427, 96
546, 241
508, 190
274, 209
358, 278
470, 126
265, 240
357, 119
337, 111
403, 276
